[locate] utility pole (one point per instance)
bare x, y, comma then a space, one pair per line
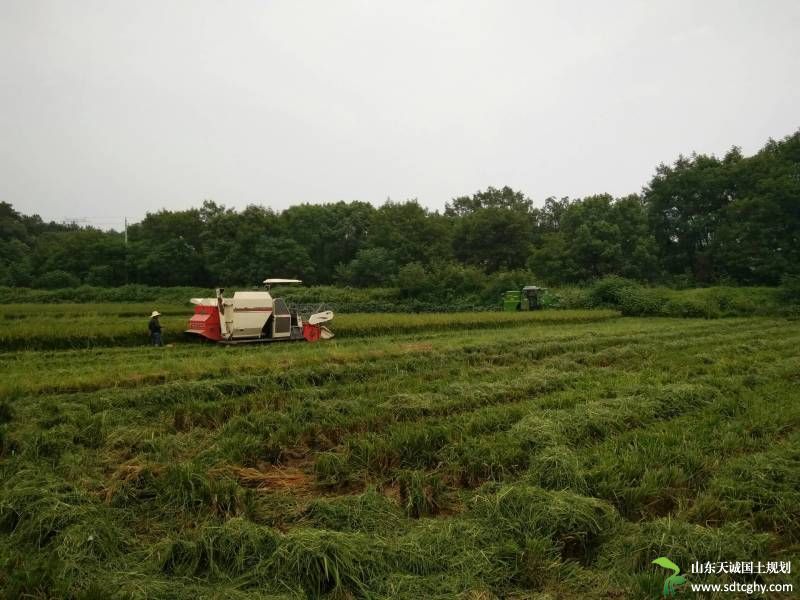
126, 250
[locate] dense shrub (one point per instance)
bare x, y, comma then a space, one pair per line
56, 280
790, 289
610, 290
633, 299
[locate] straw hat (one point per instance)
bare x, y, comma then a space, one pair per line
155, 313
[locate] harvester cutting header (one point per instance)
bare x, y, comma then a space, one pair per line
255, 316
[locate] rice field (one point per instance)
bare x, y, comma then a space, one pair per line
64, 326
491, 455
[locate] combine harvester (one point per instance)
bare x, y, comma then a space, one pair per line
529, 298
255, 317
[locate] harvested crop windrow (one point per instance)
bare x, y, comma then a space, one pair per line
441, 456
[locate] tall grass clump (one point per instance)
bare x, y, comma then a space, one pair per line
233, 549
577, 524
421, 494
322, 562
479, 459
55, 525
333, 469
369, 512
763, 488
186, 487
636, 545
557, 468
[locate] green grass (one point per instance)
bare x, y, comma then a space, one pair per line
552, 455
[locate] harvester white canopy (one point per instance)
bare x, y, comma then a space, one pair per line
322, 317
271, 281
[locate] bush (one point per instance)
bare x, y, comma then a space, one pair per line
610, 291
639, 301
101, 275
412, 280
630, 297
709, 303
567, 297
53, 280
790, 289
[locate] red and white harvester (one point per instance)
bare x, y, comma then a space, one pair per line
256, 316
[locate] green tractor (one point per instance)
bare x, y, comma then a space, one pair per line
528, 298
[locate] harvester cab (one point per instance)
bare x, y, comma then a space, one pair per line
255, 316
528, 298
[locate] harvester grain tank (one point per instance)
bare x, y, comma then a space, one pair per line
528, 298
255, 316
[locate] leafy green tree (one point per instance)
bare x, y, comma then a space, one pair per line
235, 245
493, 239
56, 280
16, 268
371, 266
505, 198
594, 237
685, 203
103, 276
12, 226
159, 227
492, 229
548, 218
758, 237
80, 251
413, 280
172, 262
331, 234
736, 217
639, 249
408, 232
166, 248
281, 257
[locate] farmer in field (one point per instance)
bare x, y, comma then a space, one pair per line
155, 329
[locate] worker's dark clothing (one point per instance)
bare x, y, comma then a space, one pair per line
155, 331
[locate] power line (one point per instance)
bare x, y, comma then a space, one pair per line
101, 222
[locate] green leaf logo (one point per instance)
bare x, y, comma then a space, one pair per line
672, 582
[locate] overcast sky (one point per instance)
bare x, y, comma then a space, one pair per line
115, 108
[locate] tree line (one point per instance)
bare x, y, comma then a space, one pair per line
700, 220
